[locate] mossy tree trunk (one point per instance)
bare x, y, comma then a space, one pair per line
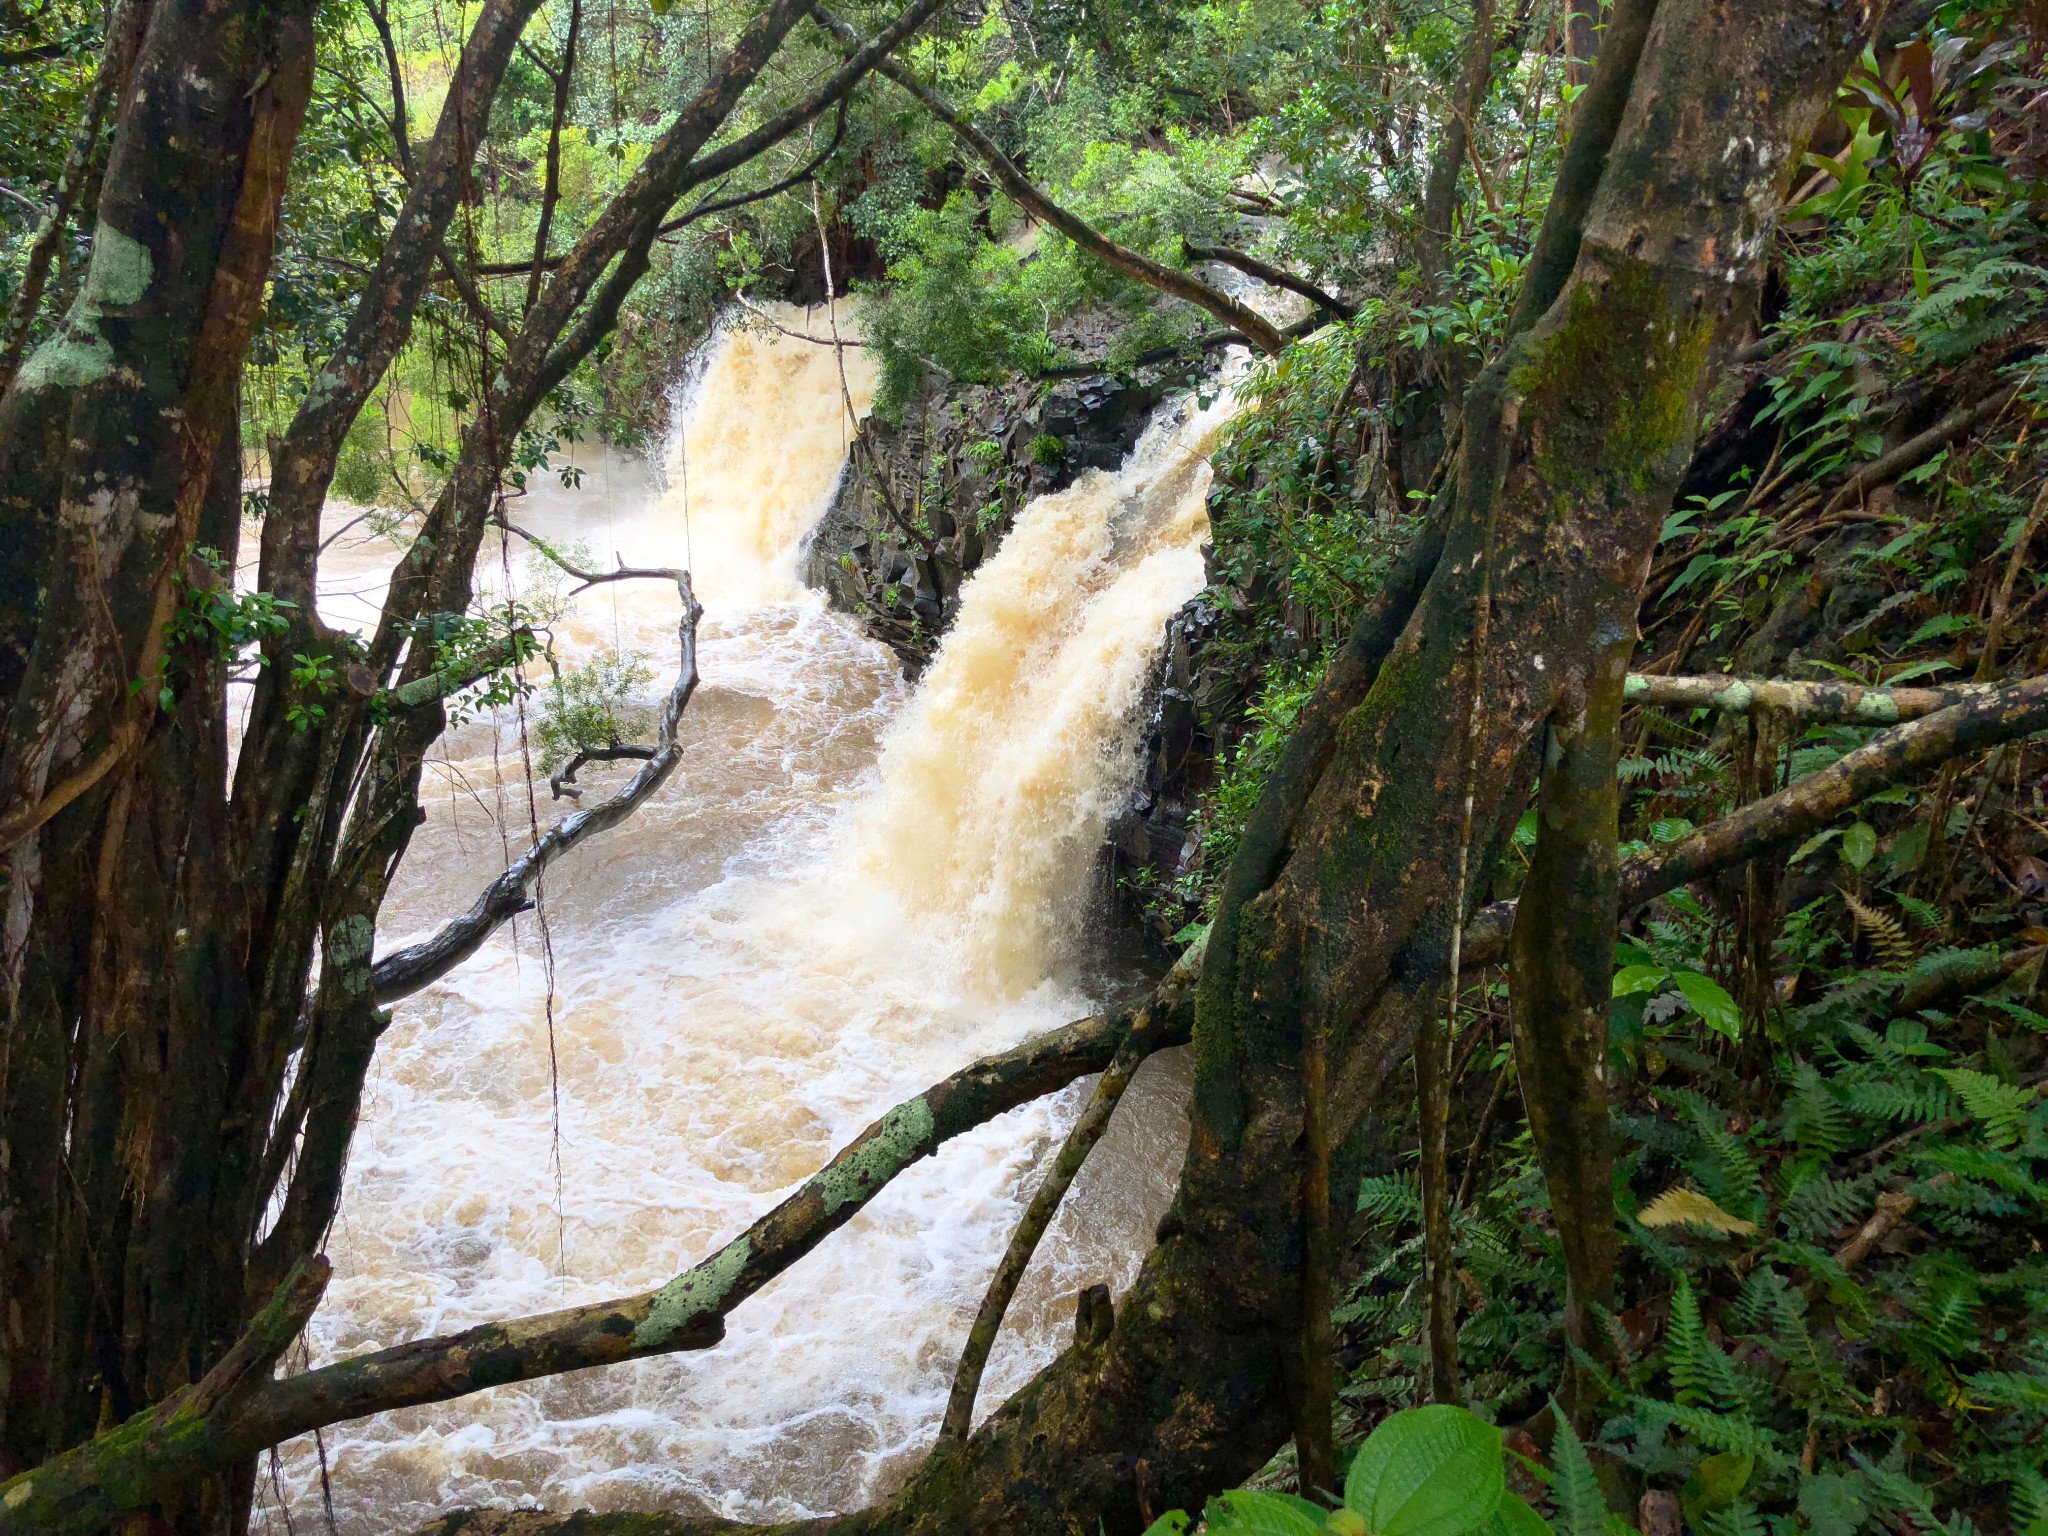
1339, 910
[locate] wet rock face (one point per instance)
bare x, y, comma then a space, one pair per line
922, 504
1156, 840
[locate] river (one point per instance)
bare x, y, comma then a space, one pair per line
849, 888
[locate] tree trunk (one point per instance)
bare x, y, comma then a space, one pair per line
1573, 443
131, 1098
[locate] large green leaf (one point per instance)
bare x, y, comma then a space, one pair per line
1710, 1000
1173, 1523
1242, 1512
1432, 1471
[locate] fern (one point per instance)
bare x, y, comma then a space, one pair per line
1821, 1205
1390, 1197
1700, 1373
1728, 1172
1887, 934
1815, 1117
1920, 1103
1581, 1509
2000, 1107
2010, 1389
1902, 1495
1738, 1519
1719, 1431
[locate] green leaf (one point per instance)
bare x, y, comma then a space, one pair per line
1434, 1471
1710, 1000
1859, 844
1513, 1517
1173, 1523
1241, 1512
1639, 978
1814, 844
1715, 1484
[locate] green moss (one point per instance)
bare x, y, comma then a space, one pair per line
696, 1292
1610, 414
78, 355
873, 1162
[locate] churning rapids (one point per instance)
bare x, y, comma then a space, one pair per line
848, 889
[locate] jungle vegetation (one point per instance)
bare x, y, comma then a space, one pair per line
1614, 963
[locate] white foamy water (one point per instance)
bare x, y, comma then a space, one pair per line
846, 891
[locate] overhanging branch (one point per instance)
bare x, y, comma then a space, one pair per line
407, 970
1181, 285
1795, 812
1836, 703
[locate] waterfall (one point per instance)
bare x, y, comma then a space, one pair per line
847, 890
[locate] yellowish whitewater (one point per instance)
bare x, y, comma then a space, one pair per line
848, 890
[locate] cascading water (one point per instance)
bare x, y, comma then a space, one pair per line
846, 891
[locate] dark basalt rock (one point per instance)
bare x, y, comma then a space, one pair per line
922, 504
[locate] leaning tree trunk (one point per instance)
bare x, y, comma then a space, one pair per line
1573, 443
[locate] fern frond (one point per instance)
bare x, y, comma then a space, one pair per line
1738, 1519
1887, 933
1920, 1103
1822, 1206
1581, 1509
1815, 1118
2001, 1108
1700, 1373
2010, 1389
1728, 1163
1680, 1206
1718, 1431
1390, 1197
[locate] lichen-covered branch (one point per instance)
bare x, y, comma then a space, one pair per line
85, 1489
124, 1469
1795, 812
1833, 703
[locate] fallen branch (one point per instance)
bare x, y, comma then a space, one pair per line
1182, 285
76, 1493
1893, 1207
405, 971
1919, 448
1837, 703
1795, 812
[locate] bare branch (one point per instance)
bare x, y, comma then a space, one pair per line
1038, 1215
1181, 285
417, 965
1266, 272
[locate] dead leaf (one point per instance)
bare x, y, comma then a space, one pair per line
1679, 1206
